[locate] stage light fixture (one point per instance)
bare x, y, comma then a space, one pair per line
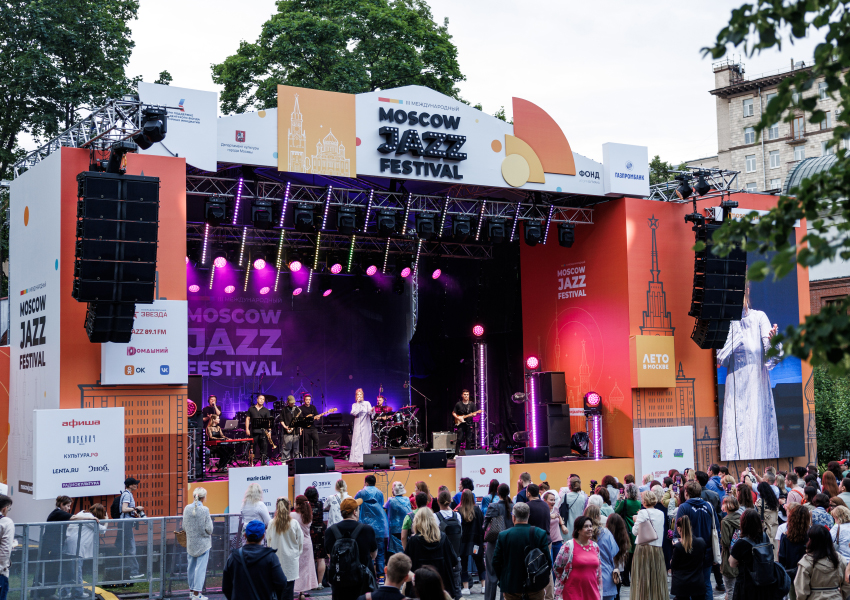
264, 290
407, 202
116, 156
480, 219
230, 289
368, 210
194, 288
297, 291
327, 292
496, 230
215, 210
238, 199
405, 272
371, 270
259, 263
336, 268
592, 401
436, 273
461, 227
154, 126
295, 265
515, 224
304, 217
284, 204
261, 213
532, 363
532, 401
532, 231
346, 220
187, 260
684, 190
566, 234
426, 225
220, 260
519, 398
702, 187
386, 222
326, 209
548, 222
477, 330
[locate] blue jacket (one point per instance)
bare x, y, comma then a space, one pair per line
701, 515
372, 510
716, 486
608, 549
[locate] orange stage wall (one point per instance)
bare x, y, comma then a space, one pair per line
586, 331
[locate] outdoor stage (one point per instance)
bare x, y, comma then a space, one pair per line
556, 473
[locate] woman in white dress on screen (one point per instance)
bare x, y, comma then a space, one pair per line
749, 413
361, 438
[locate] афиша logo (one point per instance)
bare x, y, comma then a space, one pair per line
73, 423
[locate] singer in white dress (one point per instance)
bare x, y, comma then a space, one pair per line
361, 437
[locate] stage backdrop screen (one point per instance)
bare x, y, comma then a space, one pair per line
761, 400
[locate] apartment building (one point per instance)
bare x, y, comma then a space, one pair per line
765, 163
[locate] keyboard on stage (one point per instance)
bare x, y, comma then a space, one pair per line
218, 442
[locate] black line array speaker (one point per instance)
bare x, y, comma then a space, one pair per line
556, 433
551, 388
116, 248
376, 461
312, 464
719, 287
436, 459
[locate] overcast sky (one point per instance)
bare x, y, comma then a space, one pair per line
607, 71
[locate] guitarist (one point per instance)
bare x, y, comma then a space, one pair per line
309, 434
462, 410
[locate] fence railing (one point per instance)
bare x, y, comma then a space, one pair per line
138, 555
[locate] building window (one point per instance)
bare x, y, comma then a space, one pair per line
827, 122
774, 159
825, 149
773, 132
798, 128
795, 97
822, 90
751, 163
775, 184
769, 97
749, 135
748, 107
845, 141
800, 153
752, 187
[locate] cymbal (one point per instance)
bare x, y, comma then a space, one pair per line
410, 408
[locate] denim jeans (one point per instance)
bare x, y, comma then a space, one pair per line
76, 592
131, 565
4, 587
379, 559
196, 571
706, 572
289, 590
556, 547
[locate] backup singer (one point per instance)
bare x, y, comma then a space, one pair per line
289, 443
361, 438
223, 453
260, 440
464, 429
309, 433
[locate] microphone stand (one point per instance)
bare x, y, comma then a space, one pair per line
427, 399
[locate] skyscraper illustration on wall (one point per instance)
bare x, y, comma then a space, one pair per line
656, 318
329, 158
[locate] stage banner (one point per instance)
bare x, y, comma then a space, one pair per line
192, 123
659, 449
481, 469
158, 352
274, 481
249, 138
653, 361
323, 482
78, 452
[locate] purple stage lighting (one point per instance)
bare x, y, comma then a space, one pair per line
436, 274
295, 266
336, 268
532, 362
194, 288
219, 262
532, 388
478, 331
230, 289
405, 272
187, 260
264, 291
327, 292
259, 264
371, 270
296, 291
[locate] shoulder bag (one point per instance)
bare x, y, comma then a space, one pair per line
646, 530
497, 524
715, 540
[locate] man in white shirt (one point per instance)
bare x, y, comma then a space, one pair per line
7, 541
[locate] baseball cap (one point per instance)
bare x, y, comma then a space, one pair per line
290, 398
131, 481
255, 530
349, 505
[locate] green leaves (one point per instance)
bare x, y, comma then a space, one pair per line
832, 413
342, 46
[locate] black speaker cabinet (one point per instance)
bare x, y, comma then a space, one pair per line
552, 387
473, 452
376, 461
535, 455
314, 464
429, 460
555, 432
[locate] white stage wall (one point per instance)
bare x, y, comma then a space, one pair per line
481, 469
659, 449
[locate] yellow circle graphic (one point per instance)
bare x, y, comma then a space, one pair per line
26, 216
261, 114
496, 145
515, 170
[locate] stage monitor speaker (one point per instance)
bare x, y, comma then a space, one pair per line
443, 440
473, 452
551, 388
313, 464
535, 455
429, 460
556, 433
376, 461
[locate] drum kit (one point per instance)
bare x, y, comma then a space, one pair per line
398, 429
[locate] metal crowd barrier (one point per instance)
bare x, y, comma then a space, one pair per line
133, 556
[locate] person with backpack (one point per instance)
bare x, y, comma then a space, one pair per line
397, 507
572, 503
253, 572
578, 568
372, 513
729, 534
353, 547
496, 519
449, 521
752, 555
472, 544
430, 546
703, 522
128, 509
820, 574
522, 552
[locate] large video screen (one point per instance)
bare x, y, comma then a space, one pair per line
761, 400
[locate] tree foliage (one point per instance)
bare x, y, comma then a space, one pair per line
56, 60
164, 78
350, 46
661, 171
832, 414
822, 199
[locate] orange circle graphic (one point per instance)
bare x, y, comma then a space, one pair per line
496, 145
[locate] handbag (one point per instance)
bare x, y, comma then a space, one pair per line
715, 541
180, 536
646, 531
496, 526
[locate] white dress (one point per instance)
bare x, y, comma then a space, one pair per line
749, 413
361, 438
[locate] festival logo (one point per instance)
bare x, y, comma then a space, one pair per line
657, 454
240, 137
